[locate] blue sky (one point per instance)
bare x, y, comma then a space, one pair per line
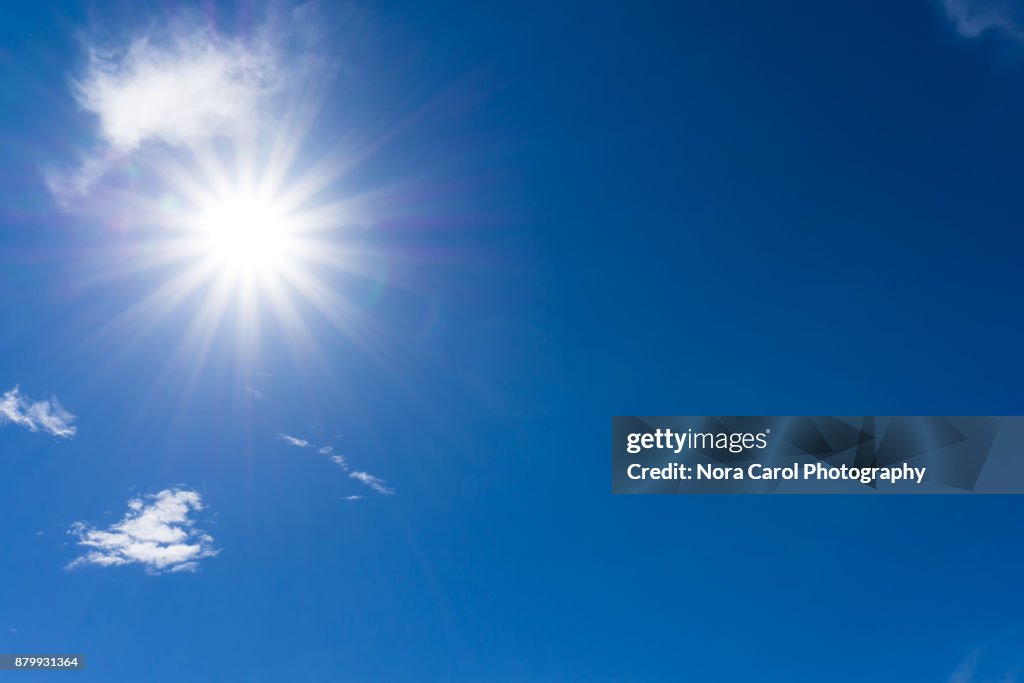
364, 436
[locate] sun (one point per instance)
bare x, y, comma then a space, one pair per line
253, 251
245, 235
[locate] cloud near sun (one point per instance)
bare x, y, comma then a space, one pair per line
200, 169
183, 89
178, 95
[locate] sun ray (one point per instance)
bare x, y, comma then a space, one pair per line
140, 319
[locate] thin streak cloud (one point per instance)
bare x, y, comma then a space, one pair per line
374, 482
293, 441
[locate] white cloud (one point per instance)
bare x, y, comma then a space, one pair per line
339, 461
293, 440
157, 533
180, 94
176, 91
186, 87
375, 483
325, 450
255, 393
354, 498
47, 415
974, 17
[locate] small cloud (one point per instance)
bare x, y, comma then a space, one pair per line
975, 17
255, 393
375, 483
354, 498
293, 440
339, 461
325, 450
47, 415
40, 533
158, 533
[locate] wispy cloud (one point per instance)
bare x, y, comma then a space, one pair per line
158, 532
974, 17
375, 483
293, 440
181, 93
1000, 660
965, 671
47, 415
183, 88
254, 392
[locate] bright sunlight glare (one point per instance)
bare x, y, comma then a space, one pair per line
245, 235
